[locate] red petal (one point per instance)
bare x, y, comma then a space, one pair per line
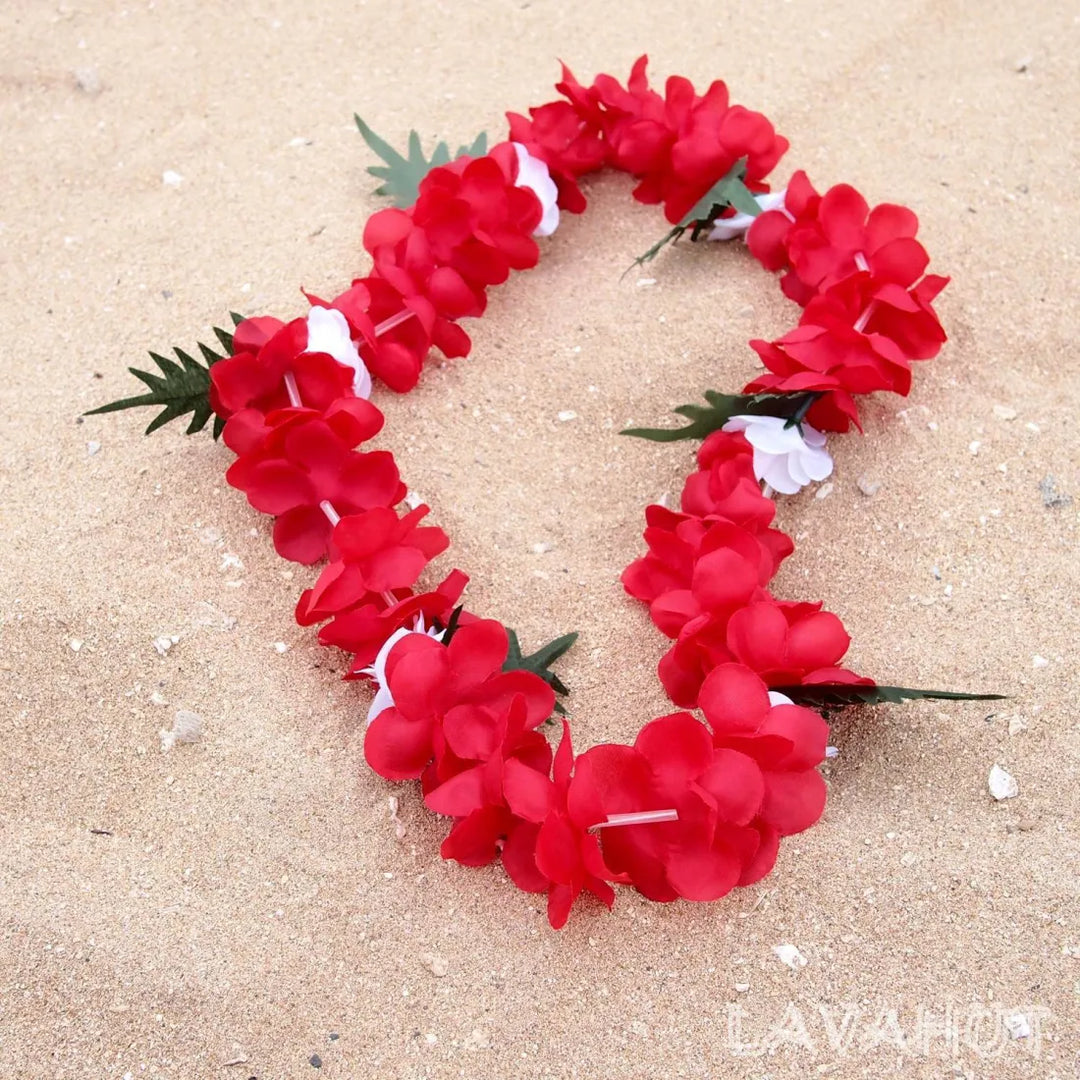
458, 796
519, 858
764, 858
560, 901
276, 486
734, 699
418, 678
477, 651
703, 875
557, 849
736, 784
529, 794
757, 635
302, 535
678, 747
473, 841
396, 747
804, 729
473, 732
843, 216
793, 800
723, 579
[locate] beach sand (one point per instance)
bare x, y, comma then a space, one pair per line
243, 906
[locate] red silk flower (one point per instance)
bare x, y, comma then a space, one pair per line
301, 464
428, 680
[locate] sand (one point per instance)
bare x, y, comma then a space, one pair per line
242, 906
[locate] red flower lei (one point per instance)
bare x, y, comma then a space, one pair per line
690, 810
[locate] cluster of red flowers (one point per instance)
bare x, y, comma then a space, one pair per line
859, 275
705, 579
677, 145
716, 796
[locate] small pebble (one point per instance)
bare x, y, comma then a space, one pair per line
413, 499
974, 446
1017, 1026
75, 644
909, 858
1051, 497
187, 728
567, 414
436, 964
741, 988
88, 80
542, 548
790, 955
280, 647
316, 1061
1002, 784
824, 491
171, 178
868, 487
1004, 412
1038, 662
92, 447
1017, 724
164, 643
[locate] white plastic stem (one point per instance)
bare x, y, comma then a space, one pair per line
327, 507
767, 491
395, 320
644, 817
292, 391
864, 318
390, 598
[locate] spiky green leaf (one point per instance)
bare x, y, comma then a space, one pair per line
729, 191
838, 694
539, 662
402, 175
704, 420
178, 389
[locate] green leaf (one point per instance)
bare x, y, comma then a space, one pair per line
452, 624
180, 388
478, 148
539, 662
655, 250
845, 694
729, 190
722, 407
401, 176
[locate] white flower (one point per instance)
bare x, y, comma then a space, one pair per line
730, 227
328, 332
784, 458
533, 174
383, 698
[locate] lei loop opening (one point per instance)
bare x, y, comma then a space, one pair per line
690, 810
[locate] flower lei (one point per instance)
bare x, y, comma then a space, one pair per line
690, 810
